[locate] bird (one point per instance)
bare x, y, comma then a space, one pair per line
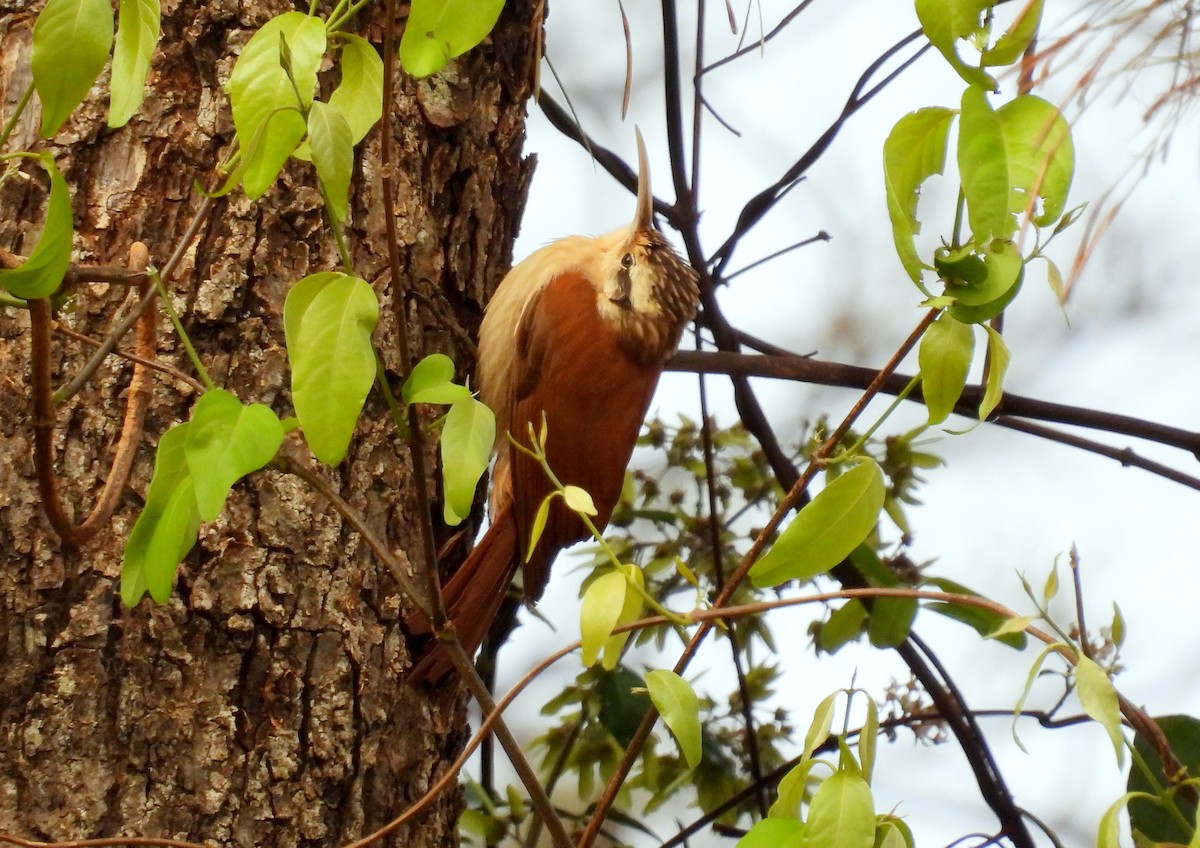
573, 341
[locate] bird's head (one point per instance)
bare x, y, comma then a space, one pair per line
643, 286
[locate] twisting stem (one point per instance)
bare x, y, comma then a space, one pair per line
136, 402
609, 796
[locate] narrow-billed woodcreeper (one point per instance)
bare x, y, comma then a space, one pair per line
578, 332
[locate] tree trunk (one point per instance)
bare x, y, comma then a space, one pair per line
264, 705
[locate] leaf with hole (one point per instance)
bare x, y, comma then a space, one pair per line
1017, 38
439, 30
826, 530
1040, 154
945, 23
42, 273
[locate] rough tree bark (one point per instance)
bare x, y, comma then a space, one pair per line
264, 705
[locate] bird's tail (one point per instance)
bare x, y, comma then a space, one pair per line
472, 596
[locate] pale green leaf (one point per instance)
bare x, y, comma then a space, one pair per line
41, 274
225, 442
138, 26
944, 358
868, 739
599, 613
1117, 628
841, 813
1017, 38
772, 833
983, 167
1055, 280
333, 364
793, 790
914, 151
1040, 154
826, 530
267, 106
844, 625
295, 305
998, 359
1013, 624
332, 148
891, 832
820, 726
432, 381
679, 707
167, 527
359, 96
578, 500
466, 446
1099, 700
539, 526
631, 611
71, 40
945, 22
439, 30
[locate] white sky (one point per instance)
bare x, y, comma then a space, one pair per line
1005, 503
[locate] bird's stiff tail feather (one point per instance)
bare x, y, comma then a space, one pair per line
472, 597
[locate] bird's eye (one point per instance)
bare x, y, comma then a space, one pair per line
627, 260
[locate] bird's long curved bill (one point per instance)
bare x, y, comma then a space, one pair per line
643, 217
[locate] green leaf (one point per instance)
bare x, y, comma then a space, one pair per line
266, 105
820, 726
332, 149
869, 738
998, 357
359, 96
539, 526
167, 527
1099, 700
1015, 624
826, 530
944, 358
772, 833
945, 22
42, 273
987, 278
793, 790
295, 305
983, 167
599, 613
1054, 279
578, 500
333, 364
988, 311
71, 40
914, 151
1016, 40
138, 28
432, 381
985, 622
466, 446
679, 707
1159, 822
1040, 154
439, 30
891, 832
842, 814
621, 709
226, 442
845, 624
891, 621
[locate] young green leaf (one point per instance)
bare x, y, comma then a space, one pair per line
1016, 40
359, 96
1040, 154
891, 621
826, 530
944, 358
539, 526
998, 357
578, 500
845, 624
138, 27
679, 707
266, 104
1000, 268
71, 40
893, 833
466, 446
983, 167
793, 791
333, 364
820, 726
842, 813
772, 833
439, 30
225, 442
295, 305
1099, 700
914, 151
868, 739
167, 527
42, 273
631, 611
599, 613
1015, 624
432, 381
945, 22
332, 149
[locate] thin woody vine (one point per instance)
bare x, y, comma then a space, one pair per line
1014, 157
